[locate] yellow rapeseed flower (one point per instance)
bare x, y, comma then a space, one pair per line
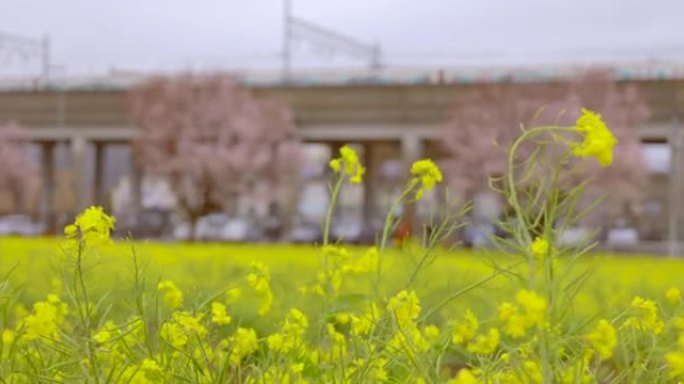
260, 280
172, 296
646, 317
93, 225
675, 360
349, 164
45, 319
218, 314
603, 339
598, 140
672, 295
233, 294
243, 342
539, 247
466, 329
534, 305
425, 174
464, 376
485, 344
405, 306
173, 334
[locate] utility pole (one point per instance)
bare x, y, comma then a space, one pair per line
675, 197
45, 58
20, 49
297, 28
286, 40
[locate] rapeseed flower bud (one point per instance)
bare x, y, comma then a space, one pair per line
598, 140
425, 174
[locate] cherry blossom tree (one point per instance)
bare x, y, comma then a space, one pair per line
214, 141
19, 174
482, 125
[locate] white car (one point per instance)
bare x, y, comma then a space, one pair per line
575, 236
218, 227
21, 225
622, 236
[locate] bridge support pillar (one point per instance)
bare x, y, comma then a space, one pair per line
47, 170
100, 166
136, 177
412, 149
79, 146
370, 185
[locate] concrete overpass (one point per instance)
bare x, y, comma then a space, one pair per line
400, 110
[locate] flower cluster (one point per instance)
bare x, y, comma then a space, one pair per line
172, 296
603, 339
348, 164
539, 248
93, 225
260, 280
425, 175
353, 330
598, 139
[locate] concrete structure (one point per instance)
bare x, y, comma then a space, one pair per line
400, 110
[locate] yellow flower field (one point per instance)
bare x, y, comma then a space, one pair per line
86, 309
206, 272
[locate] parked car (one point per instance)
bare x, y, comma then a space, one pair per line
209, 227
347, 231
150, 223
478, 235
20, 225
306, 233
575, 236
220, 227
622, 236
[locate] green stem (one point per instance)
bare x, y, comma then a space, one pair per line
331, 208
85, 318
513, 194
460, 292
388, 227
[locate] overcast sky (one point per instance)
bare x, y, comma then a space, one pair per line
91, 36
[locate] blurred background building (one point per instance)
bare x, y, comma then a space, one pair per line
80, 134
389, 104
